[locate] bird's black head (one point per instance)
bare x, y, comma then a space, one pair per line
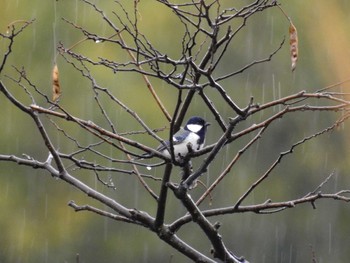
197, 125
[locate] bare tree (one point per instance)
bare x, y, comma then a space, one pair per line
209, 28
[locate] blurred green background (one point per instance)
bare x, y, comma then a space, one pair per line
37, 225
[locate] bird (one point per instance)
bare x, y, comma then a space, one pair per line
193, 133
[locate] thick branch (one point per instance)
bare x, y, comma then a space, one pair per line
220, 250
163, 197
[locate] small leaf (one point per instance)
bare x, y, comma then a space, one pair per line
56, 88
293, 42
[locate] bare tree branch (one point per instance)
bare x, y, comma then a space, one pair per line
208, 30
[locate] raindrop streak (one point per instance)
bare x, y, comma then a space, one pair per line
273, 90
262, 100
325, 161
291, 253
105, 229
330, 238
335, 181
263, 93
208, 177
54, 29
256, 152
21, 236
272, 30
46, 205
46, 255
7, 191
34, 33
279, 96
247, 84
96, 182
277, 243
76, 11
136, 194
145, 253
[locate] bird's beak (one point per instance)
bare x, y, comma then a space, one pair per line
207, 124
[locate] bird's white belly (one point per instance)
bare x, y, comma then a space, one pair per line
181, 149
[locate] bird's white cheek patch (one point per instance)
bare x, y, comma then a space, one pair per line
194, 127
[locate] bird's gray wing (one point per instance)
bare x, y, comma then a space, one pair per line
178, 138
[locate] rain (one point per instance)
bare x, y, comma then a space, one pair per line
37, 223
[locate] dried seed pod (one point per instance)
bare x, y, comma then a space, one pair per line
293, 42
56, 88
